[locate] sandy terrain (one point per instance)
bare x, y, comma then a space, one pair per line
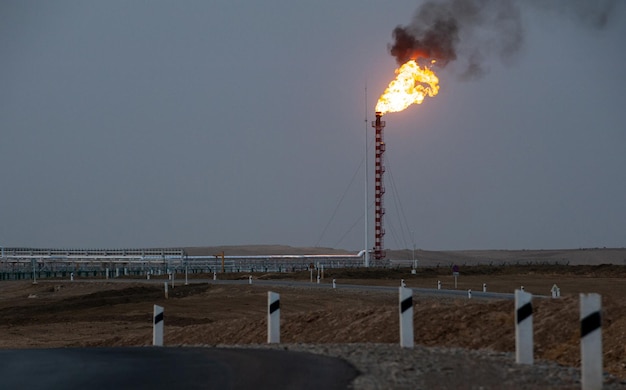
89, 313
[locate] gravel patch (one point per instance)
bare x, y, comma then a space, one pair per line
387, 366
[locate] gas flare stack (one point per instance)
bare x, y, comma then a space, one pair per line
379, 188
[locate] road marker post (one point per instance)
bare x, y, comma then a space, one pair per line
250, 279
555, 290
273, 317
469, 294
166, 293
523, 328
591, 341
157, 326
439, 285
406, 317
484, 287
334, 283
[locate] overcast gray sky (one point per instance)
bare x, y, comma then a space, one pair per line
188, 123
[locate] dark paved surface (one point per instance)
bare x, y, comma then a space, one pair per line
170, 368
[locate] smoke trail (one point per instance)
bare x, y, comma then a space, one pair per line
471, 32
467, 31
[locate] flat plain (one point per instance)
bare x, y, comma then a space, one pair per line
88, 313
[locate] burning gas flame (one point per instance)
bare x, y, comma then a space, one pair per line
411, 86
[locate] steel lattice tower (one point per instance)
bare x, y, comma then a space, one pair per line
379, 188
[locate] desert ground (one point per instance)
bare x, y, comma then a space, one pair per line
62, 313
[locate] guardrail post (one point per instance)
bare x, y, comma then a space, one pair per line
273, 317
157, 326
591, 341
406, 317
523, 328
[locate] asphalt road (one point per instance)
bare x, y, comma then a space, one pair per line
170, 368
327, 284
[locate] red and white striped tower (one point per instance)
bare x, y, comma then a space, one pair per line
379, 188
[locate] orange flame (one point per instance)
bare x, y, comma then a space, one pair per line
412, 85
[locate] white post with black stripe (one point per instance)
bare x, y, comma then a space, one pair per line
273, 317
591, 341
523, 328
157, 326
406, 317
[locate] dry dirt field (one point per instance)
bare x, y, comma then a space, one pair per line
106, 313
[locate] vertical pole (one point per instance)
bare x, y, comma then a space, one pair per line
484, 287
186, 275
591, 341
334, 283
250, 279
439, 285
273, 317
523, 328
166, 294
455, 280
469, 294
106, 271
157, 326
406, 317
34, 262
367, 245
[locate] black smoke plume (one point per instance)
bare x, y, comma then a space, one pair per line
471, 32
465, 30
